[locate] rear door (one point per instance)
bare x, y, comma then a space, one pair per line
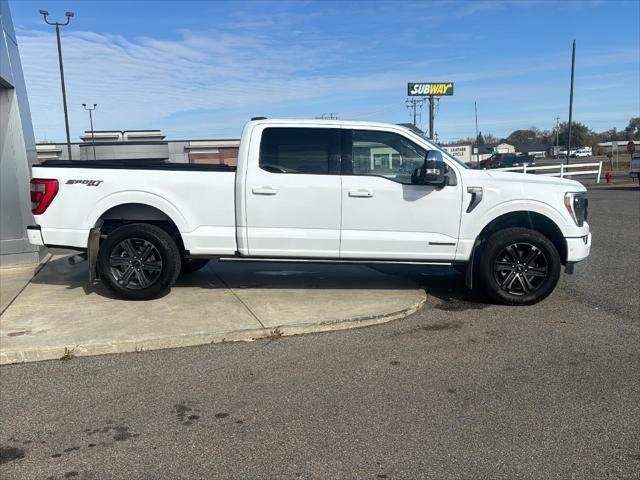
293, 195
384, 215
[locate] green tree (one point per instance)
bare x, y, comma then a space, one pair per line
530, 135
480, 139
581, 135
632, 131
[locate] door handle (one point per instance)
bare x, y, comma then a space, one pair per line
264, 191
362, 192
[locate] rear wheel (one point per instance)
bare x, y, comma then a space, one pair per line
139, 261
519, 266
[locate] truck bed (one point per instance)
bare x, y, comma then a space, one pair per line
199, 199
136, 164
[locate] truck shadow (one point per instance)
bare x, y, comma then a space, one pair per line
443, 282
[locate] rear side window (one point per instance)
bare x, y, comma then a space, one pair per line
300, 150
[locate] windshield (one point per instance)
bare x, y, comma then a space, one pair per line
445, 153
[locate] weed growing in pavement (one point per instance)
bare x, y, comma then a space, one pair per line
68, 354
277, 333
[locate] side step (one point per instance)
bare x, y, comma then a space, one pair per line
325, 260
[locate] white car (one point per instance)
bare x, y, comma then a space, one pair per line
583, 152
314, 190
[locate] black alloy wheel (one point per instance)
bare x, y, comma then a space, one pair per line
135, 263
517, 266
139, 261
520, 268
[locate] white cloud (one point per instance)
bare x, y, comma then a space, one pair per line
208, 83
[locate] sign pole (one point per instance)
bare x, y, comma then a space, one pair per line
430, 117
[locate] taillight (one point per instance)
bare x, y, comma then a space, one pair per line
43, 192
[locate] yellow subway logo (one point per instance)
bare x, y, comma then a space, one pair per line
424, 89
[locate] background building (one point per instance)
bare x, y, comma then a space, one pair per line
617, 146
462, 152
17, 150
141, 145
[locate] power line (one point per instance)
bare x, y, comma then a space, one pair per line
328, 116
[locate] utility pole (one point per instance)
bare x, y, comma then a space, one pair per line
93, 140
431, 105
557, 136
573, 68
44, 13
475, 104
414, 104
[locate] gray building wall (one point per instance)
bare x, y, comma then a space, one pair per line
119, 151
17, 150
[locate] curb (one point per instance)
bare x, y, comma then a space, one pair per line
191, 340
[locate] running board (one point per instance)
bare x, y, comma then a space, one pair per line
324, 260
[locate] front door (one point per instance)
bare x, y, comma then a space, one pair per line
384, 215
293, 197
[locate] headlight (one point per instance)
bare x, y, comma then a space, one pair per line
577, 205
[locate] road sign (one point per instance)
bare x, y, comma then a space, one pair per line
631, 147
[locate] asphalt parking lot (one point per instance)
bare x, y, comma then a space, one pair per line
461, 389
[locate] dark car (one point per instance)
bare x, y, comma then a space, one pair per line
506, 160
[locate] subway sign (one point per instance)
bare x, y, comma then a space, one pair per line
425, 89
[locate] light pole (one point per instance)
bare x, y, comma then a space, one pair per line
44, 13
93, 140
573, 69
475, 104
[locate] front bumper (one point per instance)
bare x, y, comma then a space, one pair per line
578, 248
34, 234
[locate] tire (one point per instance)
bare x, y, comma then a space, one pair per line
518, 266
191, 265
125, 253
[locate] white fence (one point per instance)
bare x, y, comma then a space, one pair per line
562, 170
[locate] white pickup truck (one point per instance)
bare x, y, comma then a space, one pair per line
314, 190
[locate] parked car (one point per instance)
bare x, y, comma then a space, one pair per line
506, 160
313, 191
582, 152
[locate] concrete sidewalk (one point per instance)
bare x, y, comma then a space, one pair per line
224, 302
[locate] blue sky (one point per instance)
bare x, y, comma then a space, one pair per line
201, 69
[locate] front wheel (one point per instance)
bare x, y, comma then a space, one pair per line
139, 261
519, 266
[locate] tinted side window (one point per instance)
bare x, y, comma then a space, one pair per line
386, 155
300, 150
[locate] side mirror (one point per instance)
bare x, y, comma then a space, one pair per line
433, 168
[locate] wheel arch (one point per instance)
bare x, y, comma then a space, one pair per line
526, 219
127, 213
134, 206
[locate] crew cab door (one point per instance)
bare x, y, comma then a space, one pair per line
293, 194
384, 215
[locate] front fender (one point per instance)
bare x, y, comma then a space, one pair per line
553, 214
